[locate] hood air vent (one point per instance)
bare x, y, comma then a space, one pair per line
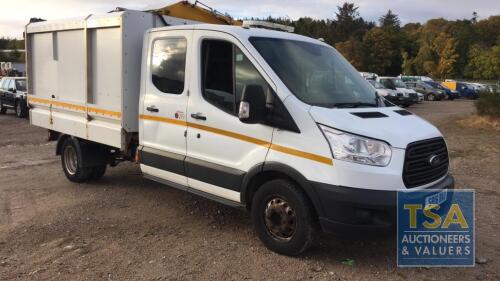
374, 114
403, 112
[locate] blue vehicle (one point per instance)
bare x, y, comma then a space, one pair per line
449, 93
466, 91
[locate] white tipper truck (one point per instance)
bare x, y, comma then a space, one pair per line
274, 122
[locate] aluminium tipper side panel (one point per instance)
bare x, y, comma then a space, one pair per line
84, 76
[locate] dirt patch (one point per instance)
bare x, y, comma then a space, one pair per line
125, 227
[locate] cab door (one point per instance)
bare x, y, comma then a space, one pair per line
163, 106
220, 148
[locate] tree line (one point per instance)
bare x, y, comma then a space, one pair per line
439, 48
11, 44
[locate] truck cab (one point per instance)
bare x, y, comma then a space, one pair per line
219, 104
268, 121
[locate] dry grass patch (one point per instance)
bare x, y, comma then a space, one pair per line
481, 122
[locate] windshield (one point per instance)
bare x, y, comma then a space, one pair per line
399, 83
376, 84
21, 84
316, 74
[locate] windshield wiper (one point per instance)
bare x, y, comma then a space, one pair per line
354, 104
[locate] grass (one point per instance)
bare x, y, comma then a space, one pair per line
482, 122
488, 105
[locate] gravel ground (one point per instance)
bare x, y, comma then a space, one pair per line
125, 227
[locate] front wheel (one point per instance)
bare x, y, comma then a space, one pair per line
3, 109
72, 162
283, 218
20, 109
431, 97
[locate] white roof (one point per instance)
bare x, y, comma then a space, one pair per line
242, 32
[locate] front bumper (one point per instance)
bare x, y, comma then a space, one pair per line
400, 100
349, 210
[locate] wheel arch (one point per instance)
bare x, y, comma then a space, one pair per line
264, 172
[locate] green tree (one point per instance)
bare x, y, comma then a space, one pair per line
348, 24
378, 51
483, 63
390, 21
352, 51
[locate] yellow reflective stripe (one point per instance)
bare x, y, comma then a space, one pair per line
303, 154
100, 111
162, 119
230, 134
276, 147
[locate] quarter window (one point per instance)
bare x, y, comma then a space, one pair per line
168, 65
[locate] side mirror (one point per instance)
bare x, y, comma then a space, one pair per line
253, 104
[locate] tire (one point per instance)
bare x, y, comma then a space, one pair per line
98, 172
431, 97
20, 109
72, 162
284, 218
3, 109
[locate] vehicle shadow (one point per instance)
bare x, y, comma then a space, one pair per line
223, 220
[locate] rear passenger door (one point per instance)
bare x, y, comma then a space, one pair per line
163, 113
220, 148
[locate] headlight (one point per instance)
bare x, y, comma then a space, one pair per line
357, 149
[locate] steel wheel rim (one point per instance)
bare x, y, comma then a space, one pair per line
70, 159
280, 219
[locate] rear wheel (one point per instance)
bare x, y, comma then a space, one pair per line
72, 162
431, 97
283, 218
98, 172
3, 109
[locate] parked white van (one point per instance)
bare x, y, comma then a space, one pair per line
272, 122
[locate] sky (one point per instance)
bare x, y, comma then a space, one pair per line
14, 14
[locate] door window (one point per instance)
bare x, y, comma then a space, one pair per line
226, 72
12, 85
168, 65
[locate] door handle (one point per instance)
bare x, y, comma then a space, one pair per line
198, 116
152, 108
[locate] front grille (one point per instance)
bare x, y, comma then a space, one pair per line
418, 169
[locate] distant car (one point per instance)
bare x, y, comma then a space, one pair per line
451, 95
393, 96
493, 89
462, 88
13, 95
369, 75
414, 78
430, 93
397, 84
